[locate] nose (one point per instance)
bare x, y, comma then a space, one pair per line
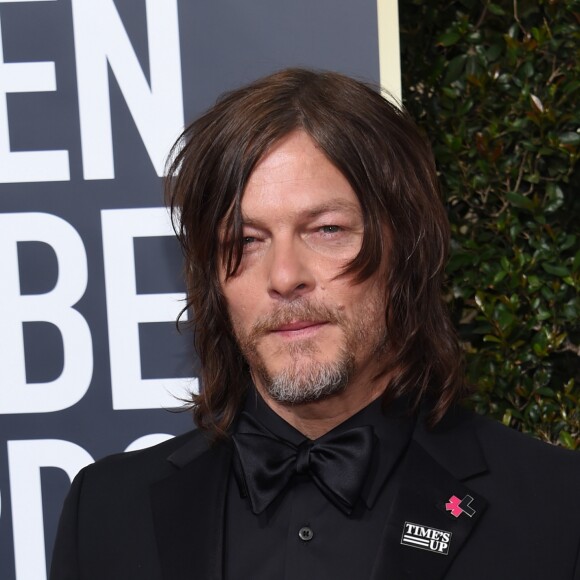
290, 271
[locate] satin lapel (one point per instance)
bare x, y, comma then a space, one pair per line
419, 511
188, 511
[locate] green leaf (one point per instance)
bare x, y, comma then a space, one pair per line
519, 200
526, 70
532, 177
454, 69
499, 277
569, 138
450, 93
537, 34
449, 38
568, 242
571, 87
555, 269
532, 412
555, 196
494, 51
566, 440
576, 262
507, 418
496, 9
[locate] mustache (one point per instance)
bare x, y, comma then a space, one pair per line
298, 310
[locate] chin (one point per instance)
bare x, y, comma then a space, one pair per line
308, 381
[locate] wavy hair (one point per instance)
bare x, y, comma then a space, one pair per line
390, 167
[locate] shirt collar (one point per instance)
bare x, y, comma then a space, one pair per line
393, 428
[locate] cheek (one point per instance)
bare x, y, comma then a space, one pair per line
241, 303
240, 324
369, 302
347, 297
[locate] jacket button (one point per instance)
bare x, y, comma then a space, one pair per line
305, 534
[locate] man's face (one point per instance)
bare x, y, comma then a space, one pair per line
306, 332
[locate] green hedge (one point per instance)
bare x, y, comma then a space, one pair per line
496, 86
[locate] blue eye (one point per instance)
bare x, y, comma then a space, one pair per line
331, 229
246, 240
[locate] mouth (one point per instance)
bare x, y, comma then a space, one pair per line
299, 328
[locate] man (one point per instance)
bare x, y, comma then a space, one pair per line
329, 442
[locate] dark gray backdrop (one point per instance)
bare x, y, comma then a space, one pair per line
89, 277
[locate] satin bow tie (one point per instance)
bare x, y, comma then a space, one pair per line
337, 463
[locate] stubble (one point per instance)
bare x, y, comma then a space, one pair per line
305, 378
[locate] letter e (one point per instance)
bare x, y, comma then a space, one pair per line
27, 166
126, 309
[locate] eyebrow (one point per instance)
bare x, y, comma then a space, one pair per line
313, 212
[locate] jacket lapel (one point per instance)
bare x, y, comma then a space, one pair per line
421, 537
188, 510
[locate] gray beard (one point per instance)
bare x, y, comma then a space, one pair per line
311, 382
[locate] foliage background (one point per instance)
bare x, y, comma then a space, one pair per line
496, 86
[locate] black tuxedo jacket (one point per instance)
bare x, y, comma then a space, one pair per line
158, 514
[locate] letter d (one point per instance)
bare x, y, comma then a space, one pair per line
25, 460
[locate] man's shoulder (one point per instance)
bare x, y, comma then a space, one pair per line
463, 432
147, 465
520, 448
520, 456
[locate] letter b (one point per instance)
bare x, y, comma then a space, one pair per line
55, 306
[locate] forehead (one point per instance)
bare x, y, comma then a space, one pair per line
295, 176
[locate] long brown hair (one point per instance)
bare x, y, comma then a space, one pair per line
391, 169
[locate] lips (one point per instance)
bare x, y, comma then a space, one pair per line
299, 325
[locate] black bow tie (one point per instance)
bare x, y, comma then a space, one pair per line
338, 463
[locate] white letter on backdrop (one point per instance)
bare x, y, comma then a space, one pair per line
148, 441
56, 306
27, 166
25, 458
157, 109
126, 309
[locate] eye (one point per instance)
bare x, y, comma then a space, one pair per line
330, 229
251, 240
